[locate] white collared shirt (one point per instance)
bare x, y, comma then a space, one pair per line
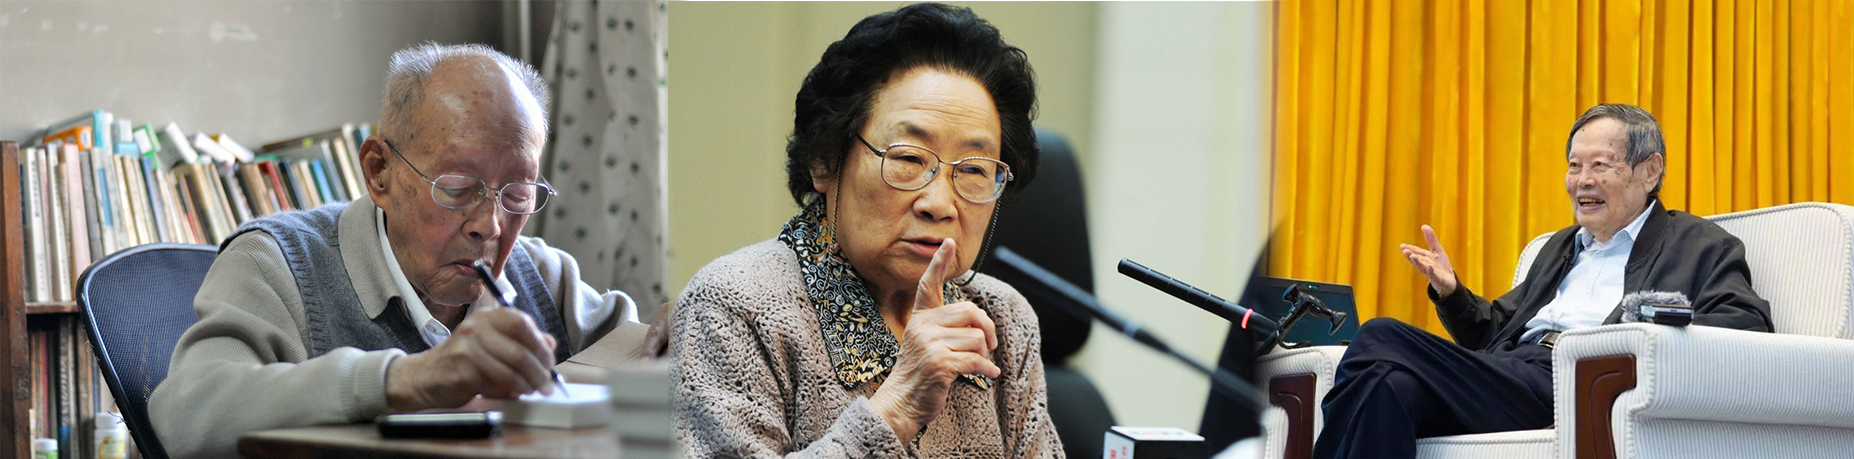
1594, 286
429, 327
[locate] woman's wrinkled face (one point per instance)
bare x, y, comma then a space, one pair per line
889, 234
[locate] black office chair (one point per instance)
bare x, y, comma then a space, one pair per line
137, 302
1048, 224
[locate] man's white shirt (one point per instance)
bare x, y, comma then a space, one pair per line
429, 327
1594, 286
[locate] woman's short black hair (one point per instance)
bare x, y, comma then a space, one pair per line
837, 95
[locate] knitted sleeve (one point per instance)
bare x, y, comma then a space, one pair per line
731, 376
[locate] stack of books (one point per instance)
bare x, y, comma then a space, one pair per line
97, 184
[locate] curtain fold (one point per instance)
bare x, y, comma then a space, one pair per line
1455, 113
606, 64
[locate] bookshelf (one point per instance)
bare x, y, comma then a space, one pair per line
260, 71
15, 401
71, 200
17, 373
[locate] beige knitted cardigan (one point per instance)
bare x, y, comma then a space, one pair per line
753, 377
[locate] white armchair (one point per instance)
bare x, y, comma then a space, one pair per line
1651, 391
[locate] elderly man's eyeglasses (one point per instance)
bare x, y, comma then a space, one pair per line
463, 192
912, 167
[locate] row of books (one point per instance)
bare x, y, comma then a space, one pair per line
67, 387
95, 185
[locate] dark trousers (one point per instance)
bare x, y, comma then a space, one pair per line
1398, 383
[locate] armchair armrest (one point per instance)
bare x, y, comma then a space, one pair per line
1620, 374
1296, 380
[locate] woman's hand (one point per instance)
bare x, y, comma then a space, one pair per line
940, 343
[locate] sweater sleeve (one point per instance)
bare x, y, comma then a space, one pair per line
728, 379
243, 367
589, 314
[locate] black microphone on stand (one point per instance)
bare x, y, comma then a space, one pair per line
1245, 318
1083, 304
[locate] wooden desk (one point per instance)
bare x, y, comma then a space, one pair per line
364, 440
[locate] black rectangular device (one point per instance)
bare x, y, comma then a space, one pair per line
440, 425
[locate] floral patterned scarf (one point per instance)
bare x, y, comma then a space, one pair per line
861, 348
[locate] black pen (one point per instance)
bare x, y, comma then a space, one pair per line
507, 299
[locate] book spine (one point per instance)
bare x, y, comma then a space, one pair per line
101, 123
131, 213
138, 195
234, 194
321, 181
106, 214
42, 384
67, 409
125, 233
185, 185
60, 237
186, 179
157, 208
93, 216
286, 176
34, 225
221, 209
344, 175
78, 220
86, 392
254, 190
35, 352
176, 216
207, 202
305, 183
278, 186
357, 135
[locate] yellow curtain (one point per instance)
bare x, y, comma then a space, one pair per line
1393, 114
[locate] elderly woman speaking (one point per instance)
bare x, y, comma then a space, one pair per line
860, 331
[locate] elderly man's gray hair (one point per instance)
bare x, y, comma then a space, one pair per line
1644, 135
411, 68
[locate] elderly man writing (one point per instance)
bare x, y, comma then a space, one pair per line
1397, 383
346, 312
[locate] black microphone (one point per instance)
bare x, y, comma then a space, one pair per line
1665, 308
1238, 315
1090, 306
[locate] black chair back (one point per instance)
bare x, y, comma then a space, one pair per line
137, 302
1048, 224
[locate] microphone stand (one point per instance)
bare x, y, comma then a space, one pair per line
1222, 381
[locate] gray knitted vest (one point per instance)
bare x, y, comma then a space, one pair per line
332, 311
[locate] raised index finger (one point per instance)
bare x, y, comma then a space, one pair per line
928, 294
1429, 234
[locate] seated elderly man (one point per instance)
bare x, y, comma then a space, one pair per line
1397, 383
346, 312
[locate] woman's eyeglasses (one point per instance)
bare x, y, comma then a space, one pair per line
911, 167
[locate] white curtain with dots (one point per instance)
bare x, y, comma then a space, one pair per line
606, 63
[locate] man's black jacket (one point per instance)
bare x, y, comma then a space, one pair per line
1675, 252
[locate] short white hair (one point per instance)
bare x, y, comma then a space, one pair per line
412, 67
